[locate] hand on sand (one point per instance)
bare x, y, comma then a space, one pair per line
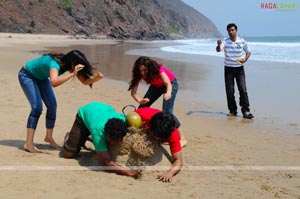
137, 174
166, 177
32, 149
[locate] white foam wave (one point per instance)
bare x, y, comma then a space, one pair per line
262, 51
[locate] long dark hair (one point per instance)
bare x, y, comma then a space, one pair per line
152, 67
68, 61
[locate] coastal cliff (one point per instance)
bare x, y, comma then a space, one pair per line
122, 19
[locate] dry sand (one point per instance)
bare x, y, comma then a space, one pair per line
225, 158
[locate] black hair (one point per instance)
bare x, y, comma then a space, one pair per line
115, 129
151, 65
162, 125
73, 58
231, 25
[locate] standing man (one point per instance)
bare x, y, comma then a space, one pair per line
236, 53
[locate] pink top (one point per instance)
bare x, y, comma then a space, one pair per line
157, 81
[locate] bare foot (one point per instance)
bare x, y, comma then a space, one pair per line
183, 143
32, 149
51, 142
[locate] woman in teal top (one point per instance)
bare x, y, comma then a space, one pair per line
38, 76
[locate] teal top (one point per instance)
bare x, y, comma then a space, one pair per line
95, 115
40, 67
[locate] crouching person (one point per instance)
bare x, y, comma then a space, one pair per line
105, 125
163, 127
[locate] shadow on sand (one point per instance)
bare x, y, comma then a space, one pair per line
204, 112
20, 143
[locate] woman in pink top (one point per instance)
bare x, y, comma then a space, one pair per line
161, 80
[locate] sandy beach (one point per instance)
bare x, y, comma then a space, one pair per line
225, 157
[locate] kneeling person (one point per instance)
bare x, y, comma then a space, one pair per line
105, 125
164, 128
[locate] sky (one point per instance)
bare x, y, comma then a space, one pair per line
251, 19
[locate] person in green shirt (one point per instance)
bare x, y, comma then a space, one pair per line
38, 76
105, 126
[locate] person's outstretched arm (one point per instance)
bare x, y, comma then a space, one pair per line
57, 80
105, 160
89, 81
175, 168
135, 96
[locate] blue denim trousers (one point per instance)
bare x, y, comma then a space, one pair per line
238, 74
37, 91
153, 93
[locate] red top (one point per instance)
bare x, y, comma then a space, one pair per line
146, 114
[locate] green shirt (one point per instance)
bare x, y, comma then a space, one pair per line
40, 67
95, 115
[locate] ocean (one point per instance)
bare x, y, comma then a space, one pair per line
275, 49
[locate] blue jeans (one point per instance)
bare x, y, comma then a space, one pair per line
237, 73
153, 93
37, 91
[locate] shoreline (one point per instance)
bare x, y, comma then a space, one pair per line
213, 140
208, 97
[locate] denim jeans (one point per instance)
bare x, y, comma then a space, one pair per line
154, 93
37, 91
237, 73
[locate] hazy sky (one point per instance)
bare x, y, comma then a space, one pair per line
250, 18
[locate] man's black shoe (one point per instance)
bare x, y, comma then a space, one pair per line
248, 115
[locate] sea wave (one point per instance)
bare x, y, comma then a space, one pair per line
263, 51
